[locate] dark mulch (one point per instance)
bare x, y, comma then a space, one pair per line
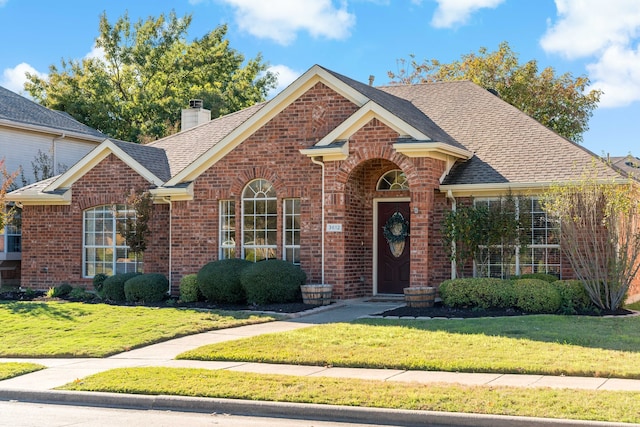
438, 310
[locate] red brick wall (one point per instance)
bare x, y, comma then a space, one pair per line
52, 235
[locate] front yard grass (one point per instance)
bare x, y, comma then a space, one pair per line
530, 402
11, 369
65, 329
545, 344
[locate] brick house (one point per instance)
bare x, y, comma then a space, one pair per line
313, 176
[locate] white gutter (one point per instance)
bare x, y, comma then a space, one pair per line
317, 162
453, 243
168, 200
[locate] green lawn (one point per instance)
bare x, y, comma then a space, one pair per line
10, 370
538, 402
545, 344
65, 329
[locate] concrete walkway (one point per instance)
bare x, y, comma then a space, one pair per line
39, 385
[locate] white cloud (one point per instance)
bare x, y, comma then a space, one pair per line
3, 2
457, 12
285, 75
96, 52
617, 74
587, 27
14, 78
281, 20
607, 34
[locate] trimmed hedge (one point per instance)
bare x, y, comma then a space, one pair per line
219, 281
541, 276
480, 292
60, 291
574, 297
272, 281
536, 296
98, 281
113, 286
147, 288
189, 291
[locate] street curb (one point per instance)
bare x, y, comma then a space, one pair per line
399, 417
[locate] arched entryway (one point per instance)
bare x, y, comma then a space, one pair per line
371, 264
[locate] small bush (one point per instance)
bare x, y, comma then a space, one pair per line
79, 294
574, 297
540, 276
272, 281
536, 296
189, 291
60, 291
146, 288
98, 281
113, 286
219, 281
481, 292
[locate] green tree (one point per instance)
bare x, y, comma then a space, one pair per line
148, 73
599, 233
562, 103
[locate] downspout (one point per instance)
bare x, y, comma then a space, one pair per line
168, 200
453, 243
317, 162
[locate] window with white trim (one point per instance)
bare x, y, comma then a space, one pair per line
393, 180
291, 228
11, 236
227, 229
104, 249
259, 221
542, 254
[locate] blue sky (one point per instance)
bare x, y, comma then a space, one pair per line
596, 38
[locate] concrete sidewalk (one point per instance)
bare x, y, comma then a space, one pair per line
39, 384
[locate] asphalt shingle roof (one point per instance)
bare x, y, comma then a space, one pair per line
18, 109
508, 145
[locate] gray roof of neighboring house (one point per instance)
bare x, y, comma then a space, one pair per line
20, 110
508, 145
628, 164
151, 158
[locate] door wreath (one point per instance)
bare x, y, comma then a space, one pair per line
396, 231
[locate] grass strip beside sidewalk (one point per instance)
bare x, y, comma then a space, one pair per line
528, 402
14, 369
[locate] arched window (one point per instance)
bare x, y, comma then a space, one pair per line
104, 250
393, 180
259, 221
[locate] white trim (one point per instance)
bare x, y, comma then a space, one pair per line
96, 155
376, 234
519, 188
52, 131
435, 149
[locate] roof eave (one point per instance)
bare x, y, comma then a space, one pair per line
52, 131
431, 149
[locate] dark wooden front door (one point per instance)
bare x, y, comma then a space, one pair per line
393, 261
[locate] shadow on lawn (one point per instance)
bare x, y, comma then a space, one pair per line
39, 309
618, 332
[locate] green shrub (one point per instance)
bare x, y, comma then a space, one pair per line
146, 288
219, 281
272, 281
536, 296
98, 281
113, 286
541, 276
79, 294
189, 291
574, 297
480, 292
60, 291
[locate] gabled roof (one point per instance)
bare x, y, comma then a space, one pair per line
629, 164
18, 111
494, 145
510, 148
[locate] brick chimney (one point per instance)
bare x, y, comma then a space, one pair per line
194, 115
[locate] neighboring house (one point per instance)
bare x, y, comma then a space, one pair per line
628, 164
29, 131
313, 176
